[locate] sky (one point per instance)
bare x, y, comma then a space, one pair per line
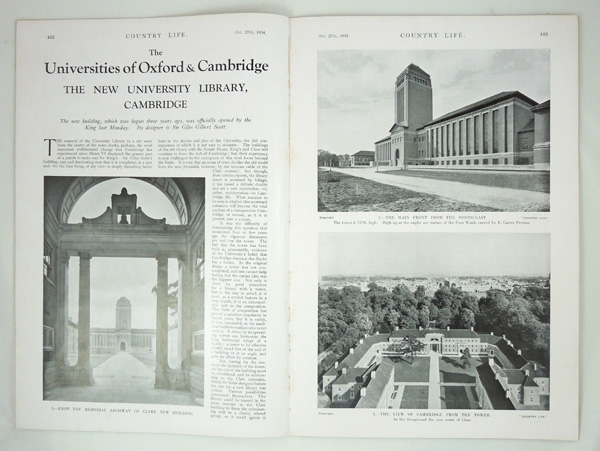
112, 278
434, 254
356, 87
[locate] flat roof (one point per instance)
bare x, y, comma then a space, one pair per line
500, 97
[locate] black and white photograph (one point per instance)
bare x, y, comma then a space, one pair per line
434, 130
123, 269
434, 321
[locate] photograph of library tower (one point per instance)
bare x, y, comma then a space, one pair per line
505, 129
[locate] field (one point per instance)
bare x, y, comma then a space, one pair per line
405, 372
455, 370
528, 181
415, 397
341, 192
458, 397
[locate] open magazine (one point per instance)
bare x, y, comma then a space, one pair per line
250, 225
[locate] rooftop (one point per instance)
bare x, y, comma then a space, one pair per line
452, 333
496, 98
364, 153
493, 389
541, 106
375, 387
350, 360
352, 375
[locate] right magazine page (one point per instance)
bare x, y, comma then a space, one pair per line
434, 227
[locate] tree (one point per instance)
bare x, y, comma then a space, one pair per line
466, 357
465, 319
172, 297
327, 159
411, 346
444, 317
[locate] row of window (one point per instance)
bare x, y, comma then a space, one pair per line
475, 162
453, 138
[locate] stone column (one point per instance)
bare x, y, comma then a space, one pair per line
62, 310
180, 312
162, 323
84, 368
187, 265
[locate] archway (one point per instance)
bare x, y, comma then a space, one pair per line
139, 237
80, 185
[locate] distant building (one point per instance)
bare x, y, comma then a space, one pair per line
505, 129
362, 158
343, 162
122, 338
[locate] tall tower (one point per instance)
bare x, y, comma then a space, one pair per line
413, 98
123, 325
123, 314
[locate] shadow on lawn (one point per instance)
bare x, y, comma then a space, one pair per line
454, 363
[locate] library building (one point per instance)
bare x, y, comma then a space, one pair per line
505, 129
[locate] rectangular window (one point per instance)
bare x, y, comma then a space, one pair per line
485, 161
476, 123
453, 138
442, 141
448, 142
48, 339
460, 137
495, 161
468, 162
460, 162
200, 260
495, 126
400, 106
506, 161
47, 259
467, 131
486, 132
454, 162
505, 129
198, 341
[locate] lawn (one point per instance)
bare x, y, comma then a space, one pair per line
528, 181
455, 370
342, 192
415, 397
458, 397
405, 372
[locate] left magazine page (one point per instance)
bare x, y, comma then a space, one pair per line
152, 213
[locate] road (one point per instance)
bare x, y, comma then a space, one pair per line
505, 199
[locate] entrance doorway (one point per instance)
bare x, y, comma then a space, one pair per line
123, 346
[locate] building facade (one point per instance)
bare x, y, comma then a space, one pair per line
122, 338
507, 381
362, 158
500, 130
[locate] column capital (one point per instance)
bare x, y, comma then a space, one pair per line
162, 259
85, 255
63, 257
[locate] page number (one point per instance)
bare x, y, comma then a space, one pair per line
50, 36
544, 33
